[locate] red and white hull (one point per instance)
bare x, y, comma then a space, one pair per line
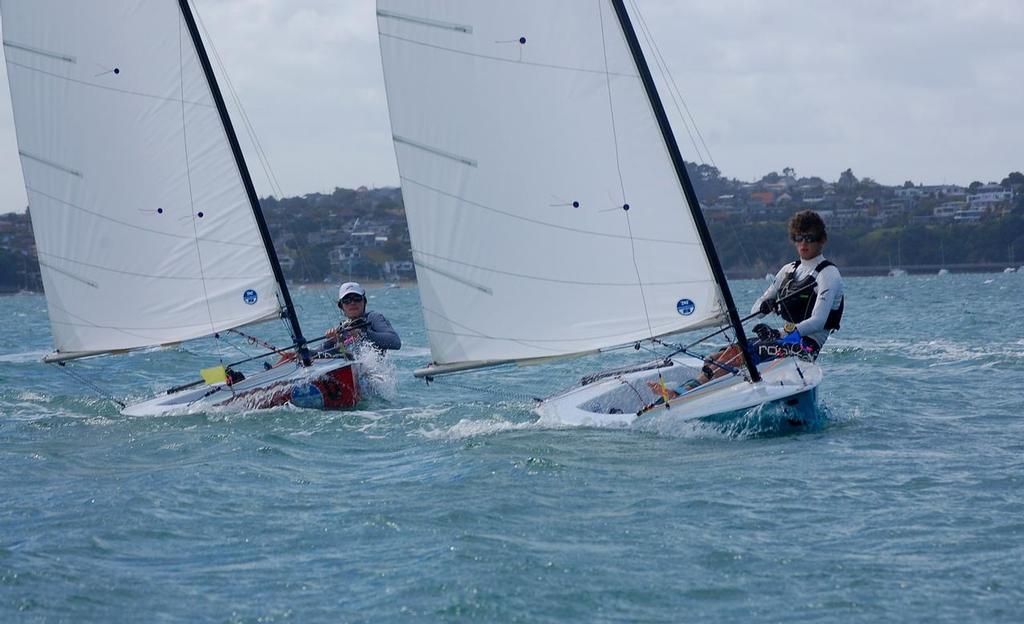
328, 384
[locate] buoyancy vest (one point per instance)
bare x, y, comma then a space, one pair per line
796, 298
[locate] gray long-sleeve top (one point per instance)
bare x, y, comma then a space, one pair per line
379, 332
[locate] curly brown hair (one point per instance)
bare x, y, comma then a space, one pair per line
807, 222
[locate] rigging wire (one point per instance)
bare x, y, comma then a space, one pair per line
250, 129
508, 395
622, 185
220, 336
188, 174
626, 206
677, 100
89, 384
674, 90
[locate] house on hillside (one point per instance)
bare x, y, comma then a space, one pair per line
342, 255
399, 269
324, 237
948, 210
969, 215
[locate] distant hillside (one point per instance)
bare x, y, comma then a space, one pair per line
362, 233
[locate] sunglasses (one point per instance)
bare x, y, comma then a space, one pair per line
806, 238
350, 299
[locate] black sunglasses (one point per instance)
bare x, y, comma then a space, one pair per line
806, 238
349, 299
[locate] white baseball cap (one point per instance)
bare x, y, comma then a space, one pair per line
349, 288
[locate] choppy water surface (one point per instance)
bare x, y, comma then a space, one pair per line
446, 502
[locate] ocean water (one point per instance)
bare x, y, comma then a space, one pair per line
903, 501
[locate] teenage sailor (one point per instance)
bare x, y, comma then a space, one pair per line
807, 294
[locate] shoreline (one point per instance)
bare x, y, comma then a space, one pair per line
368, 285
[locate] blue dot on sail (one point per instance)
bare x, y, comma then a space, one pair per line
685, 307
250, 296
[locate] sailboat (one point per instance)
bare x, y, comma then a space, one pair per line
549, 207
897, 271
148, 227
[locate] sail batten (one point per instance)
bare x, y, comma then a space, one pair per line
139, 208
462, 28
572, 220
433, 150
47, 53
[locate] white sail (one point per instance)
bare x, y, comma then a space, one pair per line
522, 130
143, 228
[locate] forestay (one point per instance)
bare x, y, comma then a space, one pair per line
545, 214
143, 228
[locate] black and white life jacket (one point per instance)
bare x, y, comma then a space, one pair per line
796, 298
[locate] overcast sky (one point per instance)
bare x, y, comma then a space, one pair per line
929, 91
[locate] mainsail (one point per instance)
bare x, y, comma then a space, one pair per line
546, 214
145, 228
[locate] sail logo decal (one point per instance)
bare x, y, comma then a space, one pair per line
250, 296
685, 307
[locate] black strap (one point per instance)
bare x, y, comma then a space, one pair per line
824, 264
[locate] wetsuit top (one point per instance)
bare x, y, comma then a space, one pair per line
378, 331
828, 292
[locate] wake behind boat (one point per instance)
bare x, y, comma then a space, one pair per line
147, 224
550, 210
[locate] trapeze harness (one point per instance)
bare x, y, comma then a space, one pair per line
794, 302
796, 298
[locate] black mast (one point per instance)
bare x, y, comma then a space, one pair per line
684, 180
250, 190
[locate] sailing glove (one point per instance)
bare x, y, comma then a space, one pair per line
352, 324
766, 333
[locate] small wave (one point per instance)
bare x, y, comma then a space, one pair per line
30, 395
470, 428
29, 406
427, 412
378, 377
939, 352
411, 353
763, 421
23, 358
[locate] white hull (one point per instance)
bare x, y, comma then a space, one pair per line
327, 384
615, 401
